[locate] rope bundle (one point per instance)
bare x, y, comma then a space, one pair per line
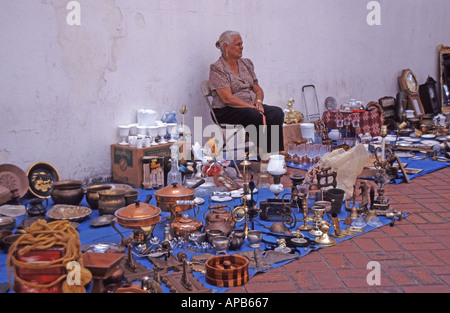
41, 236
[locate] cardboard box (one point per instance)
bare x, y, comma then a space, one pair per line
127, 164
291, 134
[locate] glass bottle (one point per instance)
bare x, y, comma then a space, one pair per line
174, 175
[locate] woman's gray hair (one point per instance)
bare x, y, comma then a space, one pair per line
226, 38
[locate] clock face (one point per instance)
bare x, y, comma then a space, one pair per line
411, 82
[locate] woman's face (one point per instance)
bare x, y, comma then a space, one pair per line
234, 50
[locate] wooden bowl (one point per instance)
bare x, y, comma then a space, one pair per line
227, 270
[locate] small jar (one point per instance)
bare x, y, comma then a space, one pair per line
334, 134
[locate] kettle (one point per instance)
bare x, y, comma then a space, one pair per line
35, 207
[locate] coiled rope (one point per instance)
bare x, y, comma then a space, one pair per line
41, 236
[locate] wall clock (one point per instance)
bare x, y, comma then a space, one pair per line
408, 83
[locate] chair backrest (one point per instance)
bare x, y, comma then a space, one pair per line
206, 91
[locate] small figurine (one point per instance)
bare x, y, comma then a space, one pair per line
292, 116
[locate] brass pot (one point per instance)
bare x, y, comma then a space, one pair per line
110, 201
67, 192
92, 194
131, 196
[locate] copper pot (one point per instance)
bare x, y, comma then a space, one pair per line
67, 192
167, 197
138, 215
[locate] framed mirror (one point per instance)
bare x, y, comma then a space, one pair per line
444, 67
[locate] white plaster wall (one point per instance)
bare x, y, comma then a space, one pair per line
65, 89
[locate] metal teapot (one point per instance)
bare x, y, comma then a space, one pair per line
35, 207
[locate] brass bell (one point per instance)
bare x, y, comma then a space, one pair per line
324, 239
370, 214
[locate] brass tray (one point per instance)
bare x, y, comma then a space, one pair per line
72, 213
41, 177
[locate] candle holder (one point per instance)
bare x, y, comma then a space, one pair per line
305, 226
317, 221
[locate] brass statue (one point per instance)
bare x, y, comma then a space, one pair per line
292, 116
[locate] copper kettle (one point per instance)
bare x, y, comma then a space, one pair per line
219, 211
183, 226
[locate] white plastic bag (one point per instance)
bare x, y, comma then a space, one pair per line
347, 164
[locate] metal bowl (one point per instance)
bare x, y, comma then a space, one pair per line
73, 213
7, 222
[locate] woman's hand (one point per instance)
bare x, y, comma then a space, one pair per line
259, 106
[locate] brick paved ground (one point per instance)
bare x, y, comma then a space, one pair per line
414, 255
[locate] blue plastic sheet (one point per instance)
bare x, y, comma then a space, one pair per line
91, 235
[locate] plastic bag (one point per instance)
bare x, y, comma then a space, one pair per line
347, 164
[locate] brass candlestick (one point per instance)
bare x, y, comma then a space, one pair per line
244, 212
245, 164
304, 202
318, 219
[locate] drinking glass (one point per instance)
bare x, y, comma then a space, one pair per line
317, 150
301, 152
310, 153
292, 151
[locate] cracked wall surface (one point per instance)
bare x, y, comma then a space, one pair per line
64, 89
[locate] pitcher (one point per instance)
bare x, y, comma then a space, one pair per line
169, 117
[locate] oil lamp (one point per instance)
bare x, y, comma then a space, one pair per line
277, 168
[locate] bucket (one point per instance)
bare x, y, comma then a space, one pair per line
336, 197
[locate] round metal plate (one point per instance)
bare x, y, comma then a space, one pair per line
41, 177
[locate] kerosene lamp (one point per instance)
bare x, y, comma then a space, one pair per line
277, 168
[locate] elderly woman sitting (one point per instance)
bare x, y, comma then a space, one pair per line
238, 98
